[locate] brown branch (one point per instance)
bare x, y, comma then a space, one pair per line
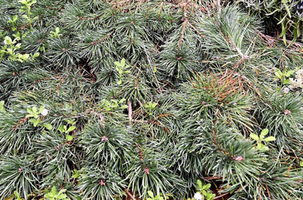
221, 195
268, 192
129, 194
98, 17
212, 178
271, 40
225, 152
182, 33
240, 62
140, 121
130, 112
196, 29
219, 6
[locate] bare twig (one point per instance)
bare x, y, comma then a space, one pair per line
196, 30
219, 6
100, 117
271, 40
129, 194
140, 121
182, 33
130, 112
221, 195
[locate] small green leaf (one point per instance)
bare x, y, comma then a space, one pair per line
23, 57
264, 132
206, 187
71, 128
301, 163
269, 139
18, 46
49, 196
123, 62
199, 182
262, 147
9, 50
35, 55
2, 106
30, 111
265, 148
75, 174
117, 64
40, 109
122, 101
278, 74
34, 121
286, 81
15, 17
17, 195
25, 16
289, 73
62, 128
62, 191
150, 193
48, 126
62, 196
69, 138
34, 110
124, 107
254, 136
22, 1
8, 40
54, 190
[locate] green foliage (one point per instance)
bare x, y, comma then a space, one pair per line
17, 196
26, 8
149, 172
13, 22
100, 184
107, 144
17, 174
10, 49
112, 105
150, 107
276, 12
54, 195
204, 189
259, 140
283, 76
2, 109
56, 33
280, 113
120, 67
216, 97
152, 197
140, 99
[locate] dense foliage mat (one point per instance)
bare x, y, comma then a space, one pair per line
133, 99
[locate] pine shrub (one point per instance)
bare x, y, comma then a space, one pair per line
124, 99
